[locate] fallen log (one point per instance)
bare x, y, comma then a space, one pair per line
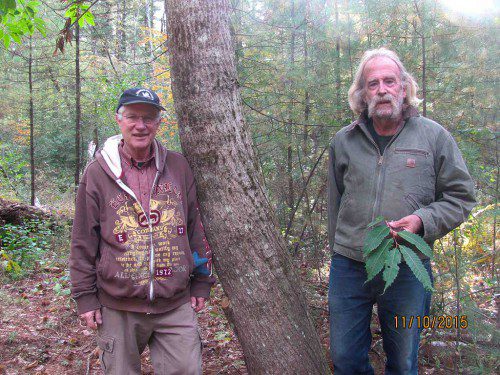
16, 213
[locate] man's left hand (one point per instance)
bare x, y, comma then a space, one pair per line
197, 303
411, 223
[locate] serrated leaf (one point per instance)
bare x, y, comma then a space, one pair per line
30, 11
376, 260
81, 22
40, 26
16, 38
391, 267
416, 266
376, 221
69, 13
374, 238
89, 18
418, 241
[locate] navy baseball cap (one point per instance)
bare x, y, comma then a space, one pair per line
139, 95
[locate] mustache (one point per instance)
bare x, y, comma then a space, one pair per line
385, 98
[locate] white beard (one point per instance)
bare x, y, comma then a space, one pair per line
384, 113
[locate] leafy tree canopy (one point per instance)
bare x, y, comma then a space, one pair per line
19, 18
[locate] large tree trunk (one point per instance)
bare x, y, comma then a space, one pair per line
266, 303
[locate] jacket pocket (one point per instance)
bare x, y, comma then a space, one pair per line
411, 171
412, 202
103, 261
123, 275
416, 201
344, 201
178, 278
411, 151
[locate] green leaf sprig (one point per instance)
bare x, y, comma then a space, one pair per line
383, 253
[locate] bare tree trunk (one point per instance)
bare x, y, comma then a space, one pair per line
290, 196
307, 100
457, 249
78, 105
424, 76
121, 34
266, 305
149, 25
420, 14
338, 82
32, 121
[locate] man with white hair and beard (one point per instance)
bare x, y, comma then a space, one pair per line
394, 163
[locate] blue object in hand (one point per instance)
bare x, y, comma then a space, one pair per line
199, 264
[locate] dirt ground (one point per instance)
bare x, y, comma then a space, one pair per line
40, 332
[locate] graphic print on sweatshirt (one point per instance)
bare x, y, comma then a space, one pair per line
132, 231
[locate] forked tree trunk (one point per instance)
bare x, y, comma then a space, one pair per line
266, 303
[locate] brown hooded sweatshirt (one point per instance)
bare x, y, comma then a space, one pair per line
126, 259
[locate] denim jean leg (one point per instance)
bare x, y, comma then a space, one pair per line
407, 298
350, 305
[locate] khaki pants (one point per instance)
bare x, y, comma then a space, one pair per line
173, 340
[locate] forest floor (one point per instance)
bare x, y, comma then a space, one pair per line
40, 332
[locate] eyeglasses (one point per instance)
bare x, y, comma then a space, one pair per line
148, 120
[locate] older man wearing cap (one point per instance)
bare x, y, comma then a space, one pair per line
140, 263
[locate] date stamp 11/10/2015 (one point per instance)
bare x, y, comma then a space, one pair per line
431, 321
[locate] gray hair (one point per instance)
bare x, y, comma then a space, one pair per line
119, 113
357, 90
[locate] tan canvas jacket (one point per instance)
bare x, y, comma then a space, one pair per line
421, 172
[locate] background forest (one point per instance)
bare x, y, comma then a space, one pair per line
296, 60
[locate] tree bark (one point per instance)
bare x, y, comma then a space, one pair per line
122, 27
32, 125
266, 305
290, 196
420, 14
78, 106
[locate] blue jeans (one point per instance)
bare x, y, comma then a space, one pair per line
351, 302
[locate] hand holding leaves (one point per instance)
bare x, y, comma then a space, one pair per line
384, 253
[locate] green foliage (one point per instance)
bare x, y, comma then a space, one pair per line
79, 11
13, 172
19, 18
375, 238
385, 254
391, 269
23, 245
376, 221
418, 241
415, 264
376, 260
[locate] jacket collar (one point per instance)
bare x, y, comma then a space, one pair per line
408, 111
109, 156
130, 161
